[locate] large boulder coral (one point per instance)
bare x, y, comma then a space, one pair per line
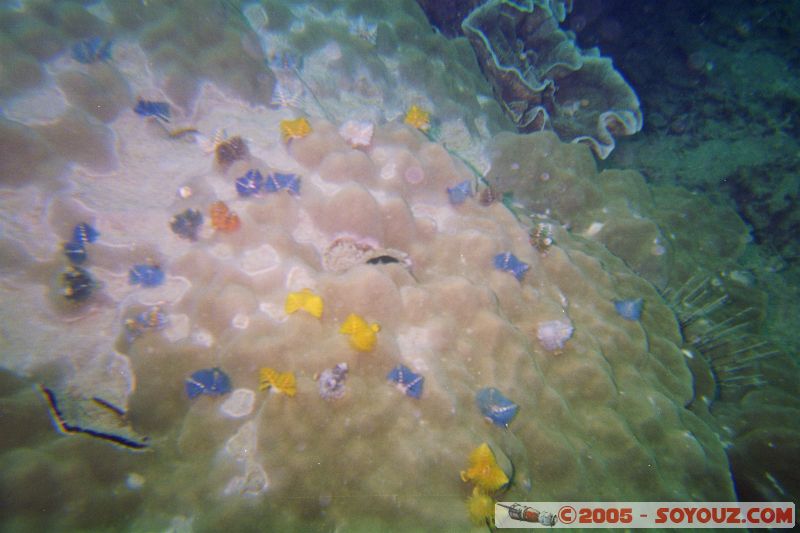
602, 416
545, 81
612, 395
665, 234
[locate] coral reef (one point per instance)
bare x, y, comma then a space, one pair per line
745, 379
664, 234
544, 80
722, 120
257, 413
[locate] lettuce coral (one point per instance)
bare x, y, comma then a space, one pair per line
543, 79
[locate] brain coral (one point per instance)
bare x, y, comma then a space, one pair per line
372, 232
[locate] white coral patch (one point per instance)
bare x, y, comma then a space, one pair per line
388, 171
415, 341
240, 403
222, 251
242, 445
593, 229
202, 337
357, 133
305, 230
299, 278
273, 311
553, 334
240, 321
177, 328
332, 51
256, 16
134, 481
252, 483
261, 259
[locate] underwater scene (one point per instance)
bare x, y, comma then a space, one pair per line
376, 265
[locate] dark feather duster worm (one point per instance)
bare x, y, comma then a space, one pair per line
230, 150
487, 196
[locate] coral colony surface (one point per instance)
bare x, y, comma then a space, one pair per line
273, 267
